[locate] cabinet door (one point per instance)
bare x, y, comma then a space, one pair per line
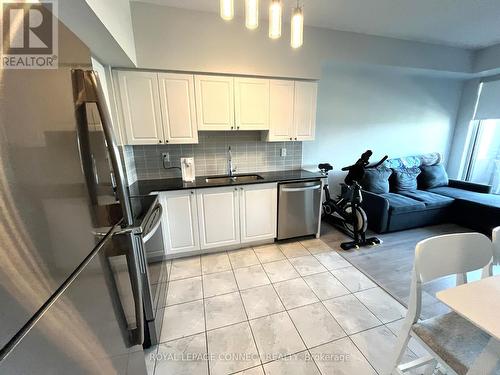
218, 215
140, 104
281, 127
258, 212
214, 102
251, 103
178, 108
305, 110
180, 221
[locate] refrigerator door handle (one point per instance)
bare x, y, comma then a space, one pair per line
88, 90
125, 245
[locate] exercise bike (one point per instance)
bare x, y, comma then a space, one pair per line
346, 213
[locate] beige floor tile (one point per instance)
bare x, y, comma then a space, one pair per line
280, 271
235, 340
219, 283
341, 357
332, 260
251, 277
243, 258
315, 324
386, 308
297, 364
276, 337
295, 293
315, 246
307, 265
184, 290
351, 314
252, 371
293, 249
413, 344
224, 310
185, 267
268, 253
353, 279
182, 320
212, 263
183, 357
325, 285
377, 345
261, 301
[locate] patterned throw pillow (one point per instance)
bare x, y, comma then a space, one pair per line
432, 176
405, 179
376, 180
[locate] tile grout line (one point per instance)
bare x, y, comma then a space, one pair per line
204, 316
244, 309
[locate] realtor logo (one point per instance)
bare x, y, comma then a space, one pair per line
29, 34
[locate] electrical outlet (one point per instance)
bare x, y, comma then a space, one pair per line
283, 152
165, 156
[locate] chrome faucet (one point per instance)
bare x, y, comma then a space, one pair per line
230, 168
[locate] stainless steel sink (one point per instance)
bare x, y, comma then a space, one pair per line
236, 178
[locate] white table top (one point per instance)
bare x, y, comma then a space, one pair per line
478, 302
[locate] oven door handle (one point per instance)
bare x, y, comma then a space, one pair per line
152, 225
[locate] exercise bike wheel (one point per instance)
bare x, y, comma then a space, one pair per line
361, 219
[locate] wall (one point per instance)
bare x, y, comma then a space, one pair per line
250, 154
391, 112
176, 39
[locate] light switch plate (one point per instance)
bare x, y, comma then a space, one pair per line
165, 156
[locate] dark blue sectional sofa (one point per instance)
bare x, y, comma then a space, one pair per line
393, 209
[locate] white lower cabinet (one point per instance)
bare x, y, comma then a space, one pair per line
218, 217
258, 212
180, 221
210, 218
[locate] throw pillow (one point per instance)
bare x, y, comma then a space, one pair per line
376, 180
432, 176
405, 179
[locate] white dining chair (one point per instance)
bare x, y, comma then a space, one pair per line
495, 260
450, 339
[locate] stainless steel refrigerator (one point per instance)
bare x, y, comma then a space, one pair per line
70, 291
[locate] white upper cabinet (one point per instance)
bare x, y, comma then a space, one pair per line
258, 212
140, 106
281, 98
214, 102
304, 117
251, 102
178, 108
218, 215
180, 221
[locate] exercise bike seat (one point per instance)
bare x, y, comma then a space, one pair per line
325, 167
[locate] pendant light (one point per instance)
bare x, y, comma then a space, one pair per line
227, 9
297, 24
275, 19
252, 14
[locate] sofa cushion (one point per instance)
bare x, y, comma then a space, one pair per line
432, 176
405, 179
492, 200
376, 180
430, 200
400, 204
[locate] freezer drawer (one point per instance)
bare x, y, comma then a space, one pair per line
298, 209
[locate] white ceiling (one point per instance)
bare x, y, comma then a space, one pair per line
462, 23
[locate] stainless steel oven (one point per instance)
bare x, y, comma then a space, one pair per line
149, 237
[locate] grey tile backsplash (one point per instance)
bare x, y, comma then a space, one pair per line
250, 154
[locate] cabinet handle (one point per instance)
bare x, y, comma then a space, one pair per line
232, 127
159, 141
241, 189
167, 140
291, 138
295, 138
192, 192
235, 189
238, 127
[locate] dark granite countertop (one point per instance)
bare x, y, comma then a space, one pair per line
145, 187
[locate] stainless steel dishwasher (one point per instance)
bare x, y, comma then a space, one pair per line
298, 208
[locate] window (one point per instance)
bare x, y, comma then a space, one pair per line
484, 161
